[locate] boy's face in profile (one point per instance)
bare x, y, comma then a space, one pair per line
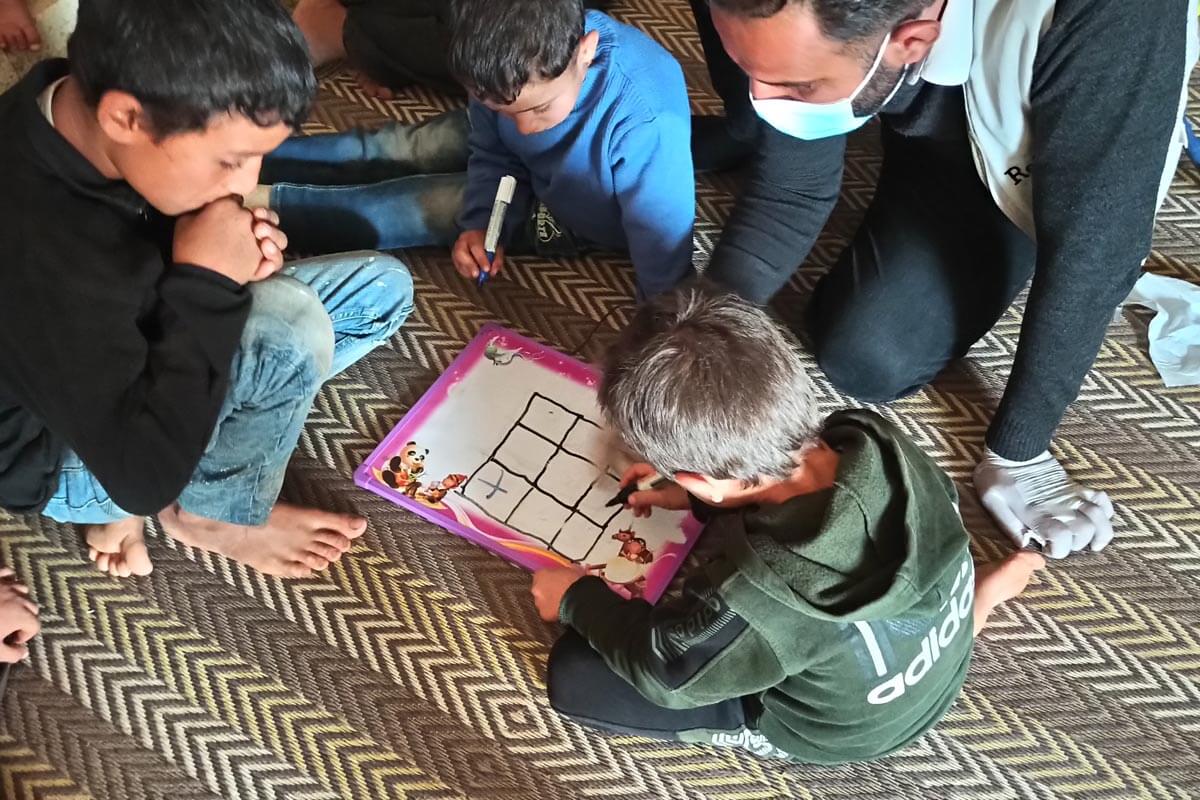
543, 104
186, 171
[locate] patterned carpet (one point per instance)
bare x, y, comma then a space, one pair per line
414, 668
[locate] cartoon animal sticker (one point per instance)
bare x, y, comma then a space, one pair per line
404, 469
499, 356
433, 494
629, 566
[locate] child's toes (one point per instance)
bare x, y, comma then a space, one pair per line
325, 551
334, 540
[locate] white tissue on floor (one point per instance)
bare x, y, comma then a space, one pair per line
1174, 333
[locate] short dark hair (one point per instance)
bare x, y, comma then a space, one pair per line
187, 61
840, 20
703, 381
498, 46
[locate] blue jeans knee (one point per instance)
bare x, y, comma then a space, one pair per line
287, 344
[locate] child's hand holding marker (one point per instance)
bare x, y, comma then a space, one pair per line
470, 258
642, 489
478, 255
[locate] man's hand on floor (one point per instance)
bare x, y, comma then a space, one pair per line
1036, 501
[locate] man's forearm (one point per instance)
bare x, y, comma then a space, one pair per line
791, 192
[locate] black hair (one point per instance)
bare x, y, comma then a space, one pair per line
187, 61
841, 20
703, 381
498, 46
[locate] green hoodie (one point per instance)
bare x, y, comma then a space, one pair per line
843, 616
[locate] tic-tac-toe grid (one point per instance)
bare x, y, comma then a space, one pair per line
530, 482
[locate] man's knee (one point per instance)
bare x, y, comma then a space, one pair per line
869, 367
289, 336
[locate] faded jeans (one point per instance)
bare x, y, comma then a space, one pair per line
307, 324
399, 186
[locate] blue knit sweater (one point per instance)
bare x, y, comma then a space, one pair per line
617, 171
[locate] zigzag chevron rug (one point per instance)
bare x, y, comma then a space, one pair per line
414, 668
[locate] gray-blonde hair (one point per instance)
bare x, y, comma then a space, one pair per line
703, 381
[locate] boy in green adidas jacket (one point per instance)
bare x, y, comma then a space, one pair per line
836, 624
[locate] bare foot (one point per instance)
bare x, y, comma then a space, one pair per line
294, 543
321, 22
999, 581
17, 31
119, 548
372, 89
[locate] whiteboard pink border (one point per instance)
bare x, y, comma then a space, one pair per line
495, 536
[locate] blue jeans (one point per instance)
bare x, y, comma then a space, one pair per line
399, 186
308, 323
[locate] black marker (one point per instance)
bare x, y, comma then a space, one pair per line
651, 481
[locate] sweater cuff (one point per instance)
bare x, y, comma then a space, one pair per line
584, 600
1010, 439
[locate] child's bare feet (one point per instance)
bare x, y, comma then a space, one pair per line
371, 88
17, 30
18, 618
999, 581
321, 22
294, 543
119, 548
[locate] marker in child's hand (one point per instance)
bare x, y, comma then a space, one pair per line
651, 481
483, 273
491, 240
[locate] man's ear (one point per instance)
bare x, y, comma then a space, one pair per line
123, 118
912, 40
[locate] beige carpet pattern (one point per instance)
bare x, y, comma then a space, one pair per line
414, 668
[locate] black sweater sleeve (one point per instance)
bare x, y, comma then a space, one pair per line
1105, 99
791, 191
132, 386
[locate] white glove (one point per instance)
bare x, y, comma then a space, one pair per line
1040, 507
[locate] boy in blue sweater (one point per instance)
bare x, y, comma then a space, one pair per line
590, 116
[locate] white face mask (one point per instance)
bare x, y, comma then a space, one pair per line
820, 120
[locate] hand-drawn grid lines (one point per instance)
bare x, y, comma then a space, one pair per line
578, 524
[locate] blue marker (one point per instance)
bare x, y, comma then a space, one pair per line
491, 240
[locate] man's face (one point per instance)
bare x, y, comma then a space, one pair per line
786, 56
186, 171
543, 104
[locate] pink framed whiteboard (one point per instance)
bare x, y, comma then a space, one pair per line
508, 450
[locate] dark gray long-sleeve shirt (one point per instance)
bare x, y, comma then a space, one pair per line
1104, 99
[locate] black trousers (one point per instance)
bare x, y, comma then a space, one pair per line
582, 687
403, 42
400, 42
931, 269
